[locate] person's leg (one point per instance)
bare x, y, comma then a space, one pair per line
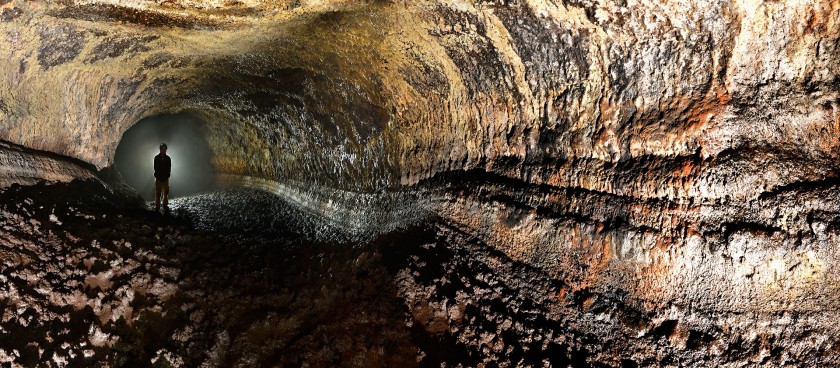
166, 194
158, 191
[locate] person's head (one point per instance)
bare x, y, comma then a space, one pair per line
163, 148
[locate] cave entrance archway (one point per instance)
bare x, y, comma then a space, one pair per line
185, 136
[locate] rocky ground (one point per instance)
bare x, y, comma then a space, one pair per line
240, 278
227, 279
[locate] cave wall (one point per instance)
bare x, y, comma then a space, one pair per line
387, 94
22, 166
682, 154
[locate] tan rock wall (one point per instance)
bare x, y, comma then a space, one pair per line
362, 94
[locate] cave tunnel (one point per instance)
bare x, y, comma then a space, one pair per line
430, 183
184, 136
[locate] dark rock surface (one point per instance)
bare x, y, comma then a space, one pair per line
88, 283
235, 278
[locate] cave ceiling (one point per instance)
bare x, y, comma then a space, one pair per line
375, 94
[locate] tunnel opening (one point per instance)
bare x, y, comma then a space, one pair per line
185, 136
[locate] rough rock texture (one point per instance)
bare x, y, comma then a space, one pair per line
84, 283
27, 167
675, 162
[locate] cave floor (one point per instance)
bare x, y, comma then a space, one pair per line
227, 279
240, 278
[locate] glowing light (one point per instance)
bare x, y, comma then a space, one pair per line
192, 171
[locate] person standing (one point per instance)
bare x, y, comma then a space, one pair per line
163, 168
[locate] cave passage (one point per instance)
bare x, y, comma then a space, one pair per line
420, 183
183, 133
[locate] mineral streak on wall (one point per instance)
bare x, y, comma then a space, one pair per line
680, 156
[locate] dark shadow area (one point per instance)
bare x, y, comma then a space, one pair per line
251, 292
184, 134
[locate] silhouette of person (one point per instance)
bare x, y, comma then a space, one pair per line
163, 168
